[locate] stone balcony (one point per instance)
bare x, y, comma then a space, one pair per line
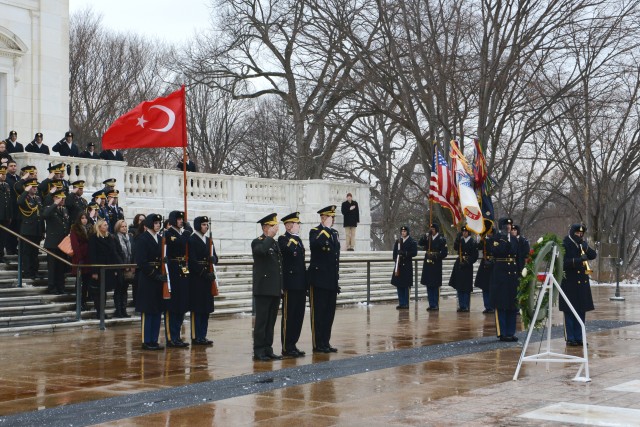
234, 203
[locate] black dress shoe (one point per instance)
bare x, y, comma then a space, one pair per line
201, 341
433, 309
398, 307
173, 344
262, 358
504, 338
181, 343
404, 307
300, 352
572, 343
487, 311
274, 356
151, 346
513, 338
333, 349
291, 353
322, 350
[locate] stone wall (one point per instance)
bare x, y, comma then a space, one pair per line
234, 202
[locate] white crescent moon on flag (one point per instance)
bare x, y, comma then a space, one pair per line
172, 118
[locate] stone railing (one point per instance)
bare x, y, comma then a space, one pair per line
234, 203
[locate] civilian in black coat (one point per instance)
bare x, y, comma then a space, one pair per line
200, 279
37, 146
149, 301
111, 155
575, 283
191, 167
294, 285
102, 250
404, 249
58, 224
13, 146
90, 152
66, 146
462, 275
351, 213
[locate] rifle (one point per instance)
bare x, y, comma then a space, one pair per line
164, 269
212, 268
396, 270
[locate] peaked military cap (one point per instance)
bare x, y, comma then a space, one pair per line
31, 182
93, 205
56, 183
3, 170
68, 134
99, 195
77, 184
111, 182
578, 227
271, 219
198, 221
292, 217
59, 193
56, 168
28, 169
113, 193
13, 132
328, 211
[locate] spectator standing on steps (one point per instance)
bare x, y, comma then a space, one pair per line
351, 214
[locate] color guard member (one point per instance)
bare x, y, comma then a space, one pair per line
200, 279
435, 251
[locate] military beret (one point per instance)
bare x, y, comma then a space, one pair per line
271, 219
328, 211
292, 217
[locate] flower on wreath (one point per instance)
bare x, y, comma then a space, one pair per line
540, 240
524, 272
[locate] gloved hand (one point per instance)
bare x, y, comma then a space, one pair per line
211, 276
160, 278
583, 257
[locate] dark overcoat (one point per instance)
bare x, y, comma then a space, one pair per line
485, 269
102, 250
523, 252
176, 250
58, 224
200, 298
293, 266
466, 255
505, 277
324, 265
575, 283
267, 267
148, 256
30, 208
351, 216
436, 251
6, 202
408, 249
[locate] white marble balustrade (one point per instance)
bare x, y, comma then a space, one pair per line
234, 203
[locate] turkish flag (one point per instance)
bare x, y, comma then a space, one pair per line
152, 124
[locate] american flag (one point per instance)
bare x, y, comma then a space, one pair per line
442, 188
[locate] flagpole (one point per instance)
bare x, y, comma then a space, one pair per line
184, 151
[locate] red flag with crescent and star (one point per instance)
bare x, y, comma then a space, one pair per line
152, 124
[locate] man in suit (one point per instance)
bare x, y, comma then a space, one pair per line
31, 227
323, 274
351, 213
13, 146
149, 301
294, 284
90, 152
112, 155
75, 203
200, 278
191, 167
57, 221
176, 238
37, 146
66, 146
436, 250
267, 287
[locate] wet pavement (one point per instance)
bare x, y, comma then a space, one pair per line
408, 367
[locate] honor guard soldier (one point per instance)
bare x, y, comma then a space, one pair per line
114, 212
504, 281
483, 276
404, 249
435, 251
6, 211
294, 300
149, 301
31, 226
462, 275
575, 283
267, 287
323, 275
13, 146
523, 247
66, 146
75, 203
92, 213
37, 146
176, 238
202, 257
90, 152
58, 224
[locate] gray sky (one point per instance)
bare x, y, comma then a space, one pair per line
171, 20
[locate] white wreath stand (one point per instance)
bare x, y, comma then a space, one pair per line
549, 284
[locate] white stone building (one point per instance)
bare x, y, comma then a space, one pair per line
34, 69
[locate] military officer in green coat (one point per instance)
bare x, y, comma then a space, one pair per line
267, 287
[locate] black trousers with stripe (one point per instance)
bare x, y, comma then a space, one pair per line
323, 312
293, 307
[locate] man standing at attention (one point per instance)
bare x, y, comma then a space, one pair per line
351, 214
267, 287
323, 279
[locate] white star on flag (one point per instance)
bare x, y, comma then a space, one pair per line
141, 121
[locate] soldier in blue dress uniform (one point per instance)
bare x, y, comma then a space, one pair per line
149, 301
323, 275
200, 279
294, 284
575, 283
405, 248
462, 275
267, 287
435, 246
176, 238
504, 281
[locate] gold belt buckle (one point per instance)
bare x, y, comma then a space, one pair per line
185, 269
